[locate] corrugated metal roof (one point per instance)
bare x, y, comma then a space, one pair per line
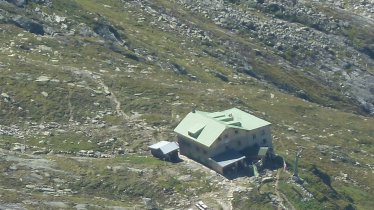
228, 158
165, 146
158, 145
215, 123
172, 146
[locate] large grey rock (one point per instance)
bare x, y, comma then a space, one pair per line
42, 79
119, 169
81, 206
369, 50
29, 25
185, 178
221, 76
84, 30
57, 204
179, 69
13, 206
107, 32
18, 3
367, 107
115, 208
87, 206
267, 179
5, 95
22, 3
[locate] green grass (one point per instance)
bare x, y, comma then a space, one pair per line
361, 199
127, 185
294, 196
9, 196
79, 53
252, 200
69, 142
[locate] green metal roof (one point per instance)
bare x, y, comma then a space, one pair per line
189, 127
206, 127
262, 151
196, 130
247, 121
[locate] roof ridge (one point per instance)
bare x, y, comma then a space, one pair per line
206, 114
216, 123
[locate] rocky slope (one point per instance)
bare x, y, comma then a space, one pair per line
87, 85
329, 44
314, 38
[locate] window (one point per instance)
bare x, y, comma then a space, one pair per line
205, 152
227, 147
263, 132
254, 136
226, 136
197, 148
264, 141
236, 131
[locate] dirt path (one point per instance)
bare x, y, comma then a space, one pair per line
113, 99
106, 89
93, 77
71, 111
281, 196
278, 193
223, 198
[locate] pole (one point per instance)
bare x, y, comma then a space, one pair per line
298, 155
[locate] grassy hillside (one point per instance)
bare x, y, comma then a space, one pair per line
115, 76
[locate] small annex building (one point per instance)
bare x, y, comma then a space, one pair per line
165, 150
224, 140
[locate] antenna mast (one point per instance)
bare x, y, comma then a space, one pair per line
298, 155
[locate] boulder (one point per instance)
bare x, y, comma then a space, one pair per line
42, 79
147, 201
119, 169
302, 94
267, 179
273, 7
18, 148
57, 204
22, 3
18, 3
29, 25
86, 206
45, 94
30, 186
84, 30
248, 69
180, 70
221, 76
5, 95
185, 178
232, 1
107, 32
369, 50
367, 107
